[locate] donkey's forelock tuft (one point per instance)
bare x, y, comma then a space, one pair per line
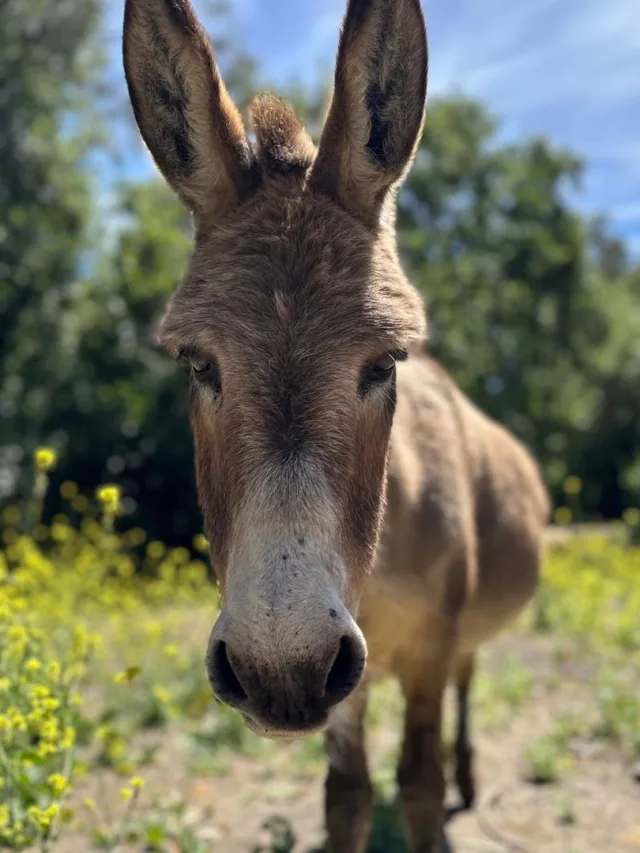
283, 145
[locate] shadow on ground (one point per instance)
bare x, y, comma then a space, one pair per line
387, 833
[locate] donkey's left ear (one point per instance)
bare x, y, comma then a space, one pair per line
376, 114
183, 110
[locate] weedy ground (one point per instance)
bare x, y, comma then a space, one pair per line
110, 739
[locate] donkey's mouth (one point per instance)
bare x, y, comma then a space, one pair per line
280, 733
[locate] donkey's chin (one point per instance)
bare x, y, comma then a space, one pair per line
280, 733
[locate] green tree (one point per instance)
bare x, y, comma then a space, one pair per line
121, 402
45, 60
519, 311
80, 364
607, 456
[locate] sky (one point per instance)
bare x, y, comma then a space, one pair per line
565, 69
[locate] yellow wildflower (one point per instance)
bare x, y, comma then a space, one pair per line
154, 630
68, 738
156, 550
572, 485
35, 717
109, 497
52, 812
18, 721
11, 515
43, 818
43, 749
61, 532
53, 670
80, 770
180, 556
200, 543
136, 536
57, 783
80, 503
68, 490
45, 458
115, 749
36, 816
161, 694
631, 516
563, 515
17, 634
126, 675
74, 672
50, 730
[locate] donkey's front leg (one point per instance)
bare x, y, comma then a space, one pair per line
348, 791
421, 771
463, 749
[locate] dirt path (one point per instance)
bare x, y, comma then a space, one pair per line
512, 815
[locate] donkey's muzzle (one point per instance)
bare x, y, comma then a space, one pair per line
280, 684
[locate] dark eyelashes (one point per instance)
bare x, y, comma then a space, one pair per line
399, 354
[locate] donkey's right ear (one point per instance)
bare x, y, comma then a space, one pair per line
185, 115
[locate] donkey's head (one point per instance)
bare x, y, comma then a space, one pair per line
291, 316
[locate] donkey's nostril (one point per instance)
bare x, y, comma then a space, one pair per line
225, 682
345, 671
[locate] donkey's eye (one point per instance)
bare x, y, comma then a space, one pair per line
379, 372
383, 367
200, 366
204, 370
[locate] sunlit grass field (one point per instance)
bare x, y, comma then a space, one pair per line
102, 639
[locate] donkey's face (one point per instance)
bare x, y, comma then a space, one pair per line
292, 316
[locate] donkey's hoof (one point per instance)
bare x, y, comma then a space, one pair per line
465, 782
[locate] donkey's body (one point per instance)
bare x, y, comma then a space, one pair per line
464, 501
458, 558
295, 316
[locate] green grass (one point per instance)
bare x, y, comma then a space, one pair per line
543, 761
565, 811
500, 692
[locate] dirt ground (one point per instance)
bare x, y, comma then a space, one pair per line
594, 807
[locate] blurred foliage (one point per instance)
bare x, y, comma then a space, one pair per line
535, 311
44, 193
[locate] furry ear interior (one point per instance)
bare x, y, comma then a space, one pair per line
377, 110
183, 110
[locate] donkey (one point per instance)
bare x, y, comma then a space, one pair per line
349, 491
